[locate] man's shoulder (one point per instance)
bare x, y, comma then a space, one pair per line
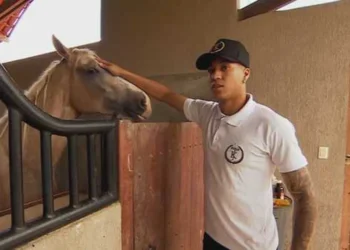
272, 117
199, 110
202, 103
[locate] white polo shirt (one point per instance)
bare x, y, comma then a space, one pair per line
241, 152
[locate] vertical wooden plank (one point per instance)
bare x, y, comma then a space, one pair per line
126, 180
168, 188
149, 193
184, 227
197, 189
344, 239
173, 188
183, 188
345, 221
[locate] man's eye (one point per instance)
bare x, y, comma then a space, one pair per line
223, 67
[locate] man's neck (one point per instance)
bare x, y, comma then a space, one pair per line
232, 106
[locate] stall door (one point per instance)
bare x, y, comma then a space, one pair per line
161, 176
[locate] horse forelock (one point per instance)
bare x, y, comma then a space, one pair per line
81, 57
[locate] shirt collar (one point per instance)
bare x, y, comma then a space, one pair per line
241, 115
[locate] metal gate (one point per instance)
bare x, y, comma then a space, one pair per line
20, 109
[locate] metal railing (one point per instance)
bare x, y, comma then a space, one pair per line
20, 109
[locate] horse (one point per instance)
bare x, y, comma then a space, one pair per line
72, 86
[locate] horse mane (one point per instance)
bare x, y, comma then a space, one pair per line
34, 90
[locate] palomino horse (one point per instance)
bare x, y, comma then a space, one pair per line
68, 88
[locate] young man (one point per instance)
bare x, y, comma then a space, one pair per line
243, 142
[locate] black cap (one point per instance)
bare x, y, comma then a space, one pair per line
231, 50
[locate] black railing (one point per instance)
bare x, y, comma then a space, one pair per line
20, 109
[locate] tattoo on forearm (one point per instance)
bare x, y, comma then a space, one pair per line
300, 186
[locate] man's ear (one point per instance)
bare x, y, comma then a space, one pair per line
246, 74
60, 48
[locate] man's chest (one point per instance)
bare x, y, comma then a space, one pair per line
236, 146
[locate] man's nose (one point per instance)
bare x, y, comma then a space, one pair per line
215, 75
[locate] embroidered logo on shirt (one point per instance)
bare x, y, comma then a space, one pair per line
234, 154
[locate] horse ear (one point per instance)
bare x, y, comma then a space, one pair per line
60, 48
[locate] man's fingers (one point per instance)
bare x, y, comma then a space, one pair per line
102, 62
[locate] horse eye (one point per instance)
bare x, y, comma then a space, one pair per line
92, 71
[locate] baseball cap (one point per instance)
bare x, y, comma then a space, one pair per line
231, 50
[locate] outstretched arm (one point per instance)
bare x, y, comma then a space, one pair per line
152, 88
300, 186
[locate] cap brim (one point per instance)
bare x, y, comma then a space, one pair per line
204, 61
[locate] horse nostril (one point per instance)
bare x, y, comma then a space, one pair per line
143, 103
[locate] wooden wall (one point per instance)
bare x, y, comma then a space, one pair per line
161, 177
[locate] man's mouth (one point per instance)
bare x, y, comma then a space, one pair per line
216, 86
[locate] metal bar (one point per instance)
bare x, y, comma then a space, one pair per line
36, 118
116, 158
22, 110
261, 7
16, 171
104, 185
47, 173
91, 160
110, 160
73, 171
10, 240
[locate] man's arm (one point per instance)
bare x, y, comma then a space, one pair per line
300, 186
156, 90
152, 88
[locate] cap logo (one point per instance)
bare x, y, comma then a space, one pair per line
217, 47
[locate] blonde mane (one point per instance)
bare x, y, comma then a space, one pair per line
35, 89
32, 94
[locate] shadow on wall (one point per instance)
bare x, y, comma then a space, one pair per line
193, 85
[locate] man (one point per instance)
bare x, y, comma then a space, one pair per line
243, 142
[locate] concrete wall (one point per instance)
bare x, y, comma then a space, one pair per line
300, 68
100, 230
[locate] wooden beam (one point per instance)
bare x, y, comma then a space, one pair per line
9, 6
260, 7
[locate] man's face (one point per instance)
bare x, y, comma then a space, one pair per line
227, 79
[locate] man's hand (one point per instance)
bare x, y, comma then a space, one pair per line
305, 210
112, 68
152, 88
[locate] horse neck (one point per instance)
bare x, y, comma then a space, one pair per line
51, 94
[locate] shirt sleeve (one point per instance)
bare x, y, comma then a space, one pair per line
285, 151
197, 111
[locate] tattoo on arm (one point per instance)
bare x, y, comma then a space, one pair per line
300, 186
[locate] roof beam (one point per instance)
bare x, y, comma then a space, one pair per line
9, 6
260, 7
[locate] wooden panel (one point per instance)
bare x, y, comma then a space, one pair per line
149, 162
178, 204
197, 191
126, 180
168, 186
344, 238
345, 224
